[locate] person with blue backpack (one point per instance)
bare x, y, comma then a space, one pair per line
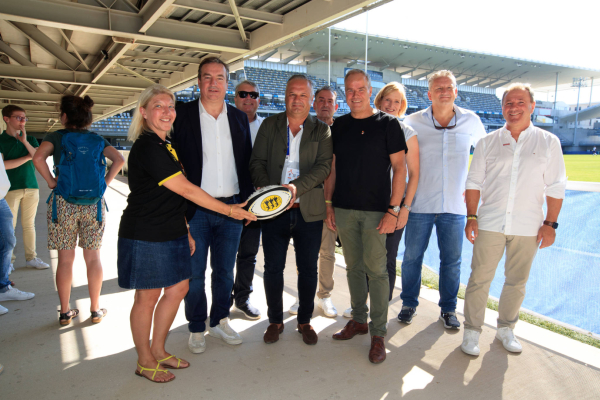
76, 206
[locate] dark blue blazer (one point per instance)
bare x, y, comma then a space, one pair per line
187, 137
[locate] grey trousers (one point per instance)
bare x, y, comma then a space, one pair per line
326, 262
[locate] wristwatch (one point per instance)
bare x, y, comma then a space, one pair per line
551, 224
407, 207
395, 209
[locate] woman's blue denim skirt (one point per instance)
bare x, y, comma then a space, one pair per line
153, 265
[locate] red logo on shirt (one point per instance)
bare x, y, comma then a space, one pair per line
506, 144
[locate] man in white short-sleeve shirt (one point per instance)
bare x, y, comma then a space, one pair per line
446, 133
512, 170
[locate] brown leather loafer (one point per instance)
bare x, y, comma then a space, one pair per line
272, 333
377, 352
308, 334
351, 329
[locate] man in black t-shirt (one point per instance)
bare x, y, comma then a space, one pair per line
365, 206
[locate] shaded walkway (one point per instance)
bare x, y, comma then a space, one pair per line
45, 361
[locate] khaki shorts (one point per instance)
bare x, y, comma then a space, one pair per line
74, 220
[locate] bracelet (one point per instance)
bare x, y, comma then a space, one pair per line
328, 202
472, 216
230, 211
188, 226
393, 215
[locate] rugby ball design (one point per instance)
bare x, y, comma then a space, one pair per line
269, 201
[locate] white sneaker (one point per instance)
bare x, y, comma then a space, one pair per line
11, 269
37, 263
15, 294
348, 312
470, 343
197, 343
225, 332
509, 341
327, 306
294, 308
3, 310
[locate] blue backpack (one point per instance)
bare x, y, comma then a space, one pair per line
81, 171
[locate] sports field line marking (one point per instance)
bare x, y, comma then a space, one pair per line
585, 253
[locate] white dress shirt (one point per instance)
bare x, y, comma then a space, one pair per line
512, 178
293, 161
4, 182
254, 125
444, 160
219, 175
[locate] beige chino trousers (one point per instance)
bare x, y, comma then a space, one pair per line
28, 200
487, 252
326, 262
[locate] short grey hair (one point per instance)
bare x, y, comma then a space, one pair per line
359, 72
303, 77
327, 87
247, 82
519, 86
444, 73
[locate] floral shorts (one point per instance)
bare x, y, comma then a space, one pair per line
74, 220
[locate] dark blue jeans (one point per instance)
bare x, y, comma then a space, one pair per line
450, 232
307, 242
246, 262
7, 242
221, 235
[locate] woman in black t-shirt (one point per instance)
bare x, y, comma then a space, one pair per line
155, 247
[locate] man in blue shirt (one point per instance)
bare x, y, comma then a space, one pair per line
446, 133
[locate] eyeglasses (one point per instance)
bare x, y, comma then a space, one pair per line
244, 94
21, 119
441, 128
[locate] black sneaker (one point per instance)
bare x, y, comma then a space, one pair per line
249, 310
450, 321
406, 314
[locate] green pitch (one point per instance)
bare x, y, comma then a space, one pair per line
580, 167
583, 167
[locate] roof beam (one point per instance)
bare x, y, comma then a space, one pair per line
314, 60
70, 77
222, 9
290, 58
238, 20
12, 53
150, 66
136, 55
101, 21
265, 56
152, 11
51, 98
311, 15
47, 44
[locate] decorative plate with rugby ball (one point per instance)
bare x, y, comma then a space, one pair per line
269, 201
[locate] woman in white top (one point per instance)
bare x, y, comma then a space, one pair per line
392, 100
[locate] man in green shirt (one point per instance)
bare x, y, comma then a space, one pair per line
18, 149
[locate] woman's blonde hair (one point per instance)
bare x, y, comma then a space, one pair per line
389, 88
138, 123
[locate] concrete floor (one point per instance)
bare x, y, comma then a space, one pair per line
43, 360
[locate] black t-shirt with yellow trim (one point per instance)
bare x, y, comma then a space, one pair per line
153, 212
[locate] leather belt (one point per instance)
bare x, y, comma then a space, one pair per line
225, 199
296, 205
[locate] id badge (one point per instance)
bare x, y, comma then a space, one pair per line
291, 174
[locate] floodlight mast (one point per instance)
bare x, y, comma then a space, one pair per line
578, 82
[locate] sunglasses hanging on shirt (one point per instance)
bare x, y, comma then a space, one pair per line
253, 95
441, 128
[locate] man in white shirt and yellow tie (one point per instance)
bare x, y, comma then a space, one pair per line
512, 171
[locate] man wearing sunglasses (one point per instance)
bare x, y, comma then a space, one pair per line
446, 133
18, 149
247, 100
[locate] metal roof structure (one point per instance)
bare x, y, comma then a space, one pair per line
417, 60
113, 49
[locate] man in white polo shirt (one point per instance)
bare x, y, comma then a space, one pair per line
512, 170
